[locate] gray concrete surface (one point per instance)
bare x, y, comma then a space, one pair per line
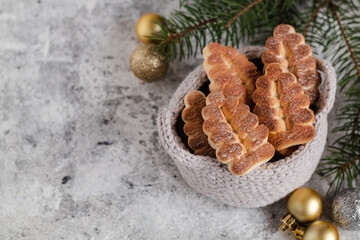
80, 156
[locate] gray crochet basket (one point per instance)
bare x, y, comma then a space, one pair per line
264, 185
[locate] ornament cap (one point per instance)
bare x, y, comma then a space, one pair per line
291, 223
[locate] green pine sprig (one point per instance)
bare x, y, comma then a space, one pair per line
188, 30
334, 28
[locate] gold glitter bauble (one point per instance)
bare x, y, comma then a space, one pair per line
321, 230
305, 204
147, 64
146, 26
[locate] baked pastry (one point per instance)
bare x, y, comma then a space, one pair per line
195, 101
282, 106
229, 72
242, 143
232, 129
289, 49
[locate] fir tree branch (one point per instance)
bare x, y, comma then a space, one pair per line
187, 30
356, 121
242, 12
176, 36
314, 15
347, 146
346, 39
348, 164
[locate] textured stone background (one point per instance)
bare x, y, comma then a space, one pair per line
80, 154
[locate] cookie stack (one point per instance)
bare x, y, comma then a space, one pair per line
248, 116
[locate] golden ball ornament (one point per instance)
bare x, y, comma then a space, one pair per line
146, 26
321, 230
147, 63
305, 204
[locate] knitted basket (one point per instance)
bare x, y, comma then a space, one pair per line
267, 183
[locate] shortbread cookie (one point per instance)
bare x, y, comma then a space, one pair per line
230, 126
241, 144
195, 101
282, 106
229, 72
289, 49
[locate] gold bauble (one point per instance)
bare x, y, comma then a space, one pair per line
321, 230
147, 63
146, 26
305, 204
